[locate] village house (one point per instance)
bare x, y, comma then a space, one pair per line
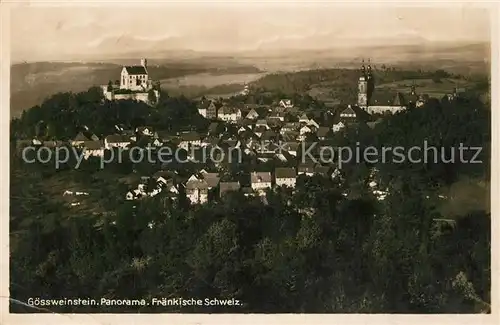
116, 141
277, 116
324, 171
226, 187
306, 169
285, 176
348, 113
305, 129
93, 149
312, 123
260, 180
290, 126
229, 113
189, 139
286, 103
203, 107
212, 111
79, 140
145, 130
336, 127
304, 119
262, 123
252, 115
197, 191
212, 179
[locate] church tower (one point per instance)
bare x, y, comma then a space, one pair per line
370, 82
363, 87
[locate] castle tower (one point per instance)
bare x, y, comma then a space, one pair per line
144, 63
363, 87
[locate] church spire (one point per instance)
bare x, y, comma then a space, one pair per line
369, 74
412, 89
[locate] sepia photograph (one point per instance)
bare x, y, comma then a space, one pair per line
249, 158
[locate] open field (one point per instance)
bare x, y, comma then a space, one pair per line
427, 86
210, 80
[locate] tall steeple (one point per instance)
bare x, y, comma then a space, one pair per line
412, 89
363, 87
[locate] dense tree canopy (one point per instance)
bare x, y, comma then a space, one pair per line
325, 247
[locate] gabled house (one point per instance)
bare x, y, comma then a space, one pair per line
348, 113
79, 140
286, 103
324, 171
303, 118
291, 126
313, 123
252, 115
212, 111
305, 129
338, 126
229, 113
144, 130
277, 116
197, 191
260, 180
262, 124
285, 176
226, 187
212, 179
189, 139
203, 107
116, 141
306, 169
93, 149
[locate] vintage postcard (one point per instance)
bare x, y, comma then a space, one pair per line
176, 160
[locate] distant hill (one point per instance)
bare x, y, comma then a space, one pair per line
31, 83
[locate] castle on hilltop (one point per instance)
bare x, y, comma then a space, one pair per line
134, 84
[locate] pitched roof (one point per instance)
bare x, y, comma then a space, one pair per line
117, 138
228, 110
348, 110
229, 186
135, 70
80, 137
306, 168
93, 145
285, 172
259, 177
196, 184
212, 179
322, 131
323, 170
190, 136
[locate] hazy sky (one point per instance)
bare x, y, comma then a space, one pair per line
62, 33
